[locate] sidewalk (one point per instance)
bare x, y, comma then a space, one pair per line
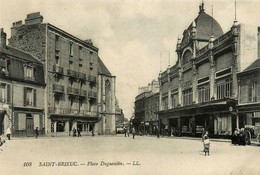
253, 141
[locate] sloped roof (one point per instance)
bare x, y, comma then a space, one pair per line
254, 65
19, 54
102, 69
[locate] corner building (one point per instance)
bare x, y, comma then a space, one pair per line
72, 67
21, 91
201, 90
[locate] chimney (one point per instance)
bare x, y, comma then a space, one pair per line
3, 38
34, 18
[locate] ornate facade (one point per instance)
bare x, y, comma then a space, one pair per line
200, 91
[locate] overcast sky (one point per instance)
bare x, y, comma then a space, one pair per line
130, 34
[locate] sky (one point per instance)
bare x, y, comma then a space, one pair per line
130, 34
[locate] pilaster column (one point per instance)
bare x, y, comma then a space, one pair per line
169, 89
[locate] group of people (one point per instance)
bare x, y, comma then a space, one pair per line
239, 137
78, 130
127, 132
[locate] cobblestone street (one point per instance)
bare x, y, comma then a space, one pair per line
120, 155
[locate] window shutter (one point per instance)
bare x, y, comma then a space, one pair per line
16, 121
8, 93
34, 97
24, 71
24, 96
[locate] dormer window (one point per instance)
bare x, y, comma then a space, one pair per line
29, 72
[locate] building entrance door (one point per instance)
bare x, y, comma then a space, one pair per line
29, 126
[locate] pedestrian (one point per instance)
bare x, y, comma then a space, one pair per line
158, 132
235, 137
74, 132
242, 138
8, 133
128, 132
133, 132
206, 144
79, 135
93, 134
124, 130
36, 132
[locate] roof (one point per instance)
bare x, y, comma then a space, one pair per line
19, 54
204, 24
102, 69
253, 66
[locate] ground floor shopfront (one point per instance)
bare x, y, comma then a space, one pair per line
217, 117
151, 127
59, 125
22, 121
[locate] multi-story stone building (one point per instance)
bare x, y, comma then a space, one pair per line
21, 91
151, 116
201, 89
141, 111
75, 76
249, 95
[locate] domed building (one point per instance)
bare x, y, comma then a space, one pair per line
201, 90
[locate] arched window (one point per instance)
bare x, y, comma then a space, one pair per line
186, 57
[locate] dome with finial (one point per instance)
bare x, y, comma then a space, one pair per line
206, 26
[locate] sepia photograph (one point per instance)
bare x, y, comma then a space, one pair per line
130, 87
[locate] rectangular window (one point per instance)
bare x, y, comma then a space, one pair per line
204, 94
252, 92
224, 89
174, 100
29, 97
187, 97
29, 72
71, 49
165, 103
258, 92
57, 44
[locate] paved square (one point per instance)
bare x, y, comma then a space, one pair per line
120, 155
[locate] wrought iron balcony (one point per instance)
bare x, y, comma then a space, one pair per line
74, 112
72, 91
72, 73
58, 69
82, 93
58, 88
92, 79
82, 76
92, 94
64, 111
88, 113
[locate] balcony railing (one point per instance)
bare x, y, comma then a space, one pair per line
72, 91
88, 113
76, 112
82, 76
58, 88
92, 94
57, 69
82, 93
92, 79
72, 73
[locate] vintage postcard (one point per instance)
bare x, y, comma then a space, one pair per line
130, 87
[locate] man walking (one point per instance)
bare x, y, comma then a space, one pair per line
133, 132
36, 132
8, 133
79, 130
124, 131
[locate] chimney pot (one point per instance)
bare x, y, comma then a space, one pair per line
3, 38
